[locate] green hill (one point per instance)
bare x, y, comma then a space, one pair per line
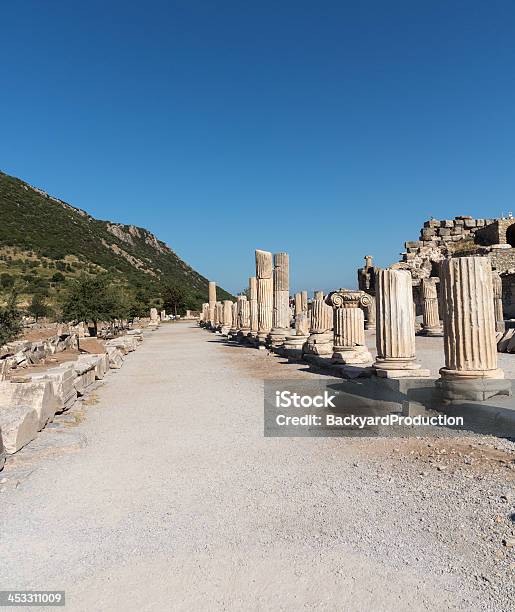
44, 241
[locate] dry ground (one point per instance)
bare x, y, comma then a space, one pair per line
160, 492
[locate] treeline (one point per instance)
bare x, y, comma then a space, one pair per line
92, 299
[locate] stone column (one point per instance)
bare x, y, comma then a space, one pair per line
154, 318
370, 309
320, 341
498, 308
395, 338
234, 321
298, 304
281, 312
470, 370
431, 317
243, 316
227, 317
265, 293
349, 327
304, 301
212, 302
253, 307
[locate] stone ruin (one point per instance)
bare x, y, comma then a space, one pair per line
330, 330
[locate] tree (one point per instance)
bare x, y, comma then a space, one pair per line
10, 319
38, 307
95, 299
57, 277
6, 280
173, 297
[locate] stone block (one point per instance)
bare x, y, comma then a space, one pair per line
99, 362
85, 375
432, 223
38, 395
446, 223
91, 346
428, 233
445, 231
470, 223
62, 379
115, 357
19, 425
413, 244
480, 222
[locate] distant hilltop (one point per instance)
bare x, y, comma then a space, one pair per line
41, 234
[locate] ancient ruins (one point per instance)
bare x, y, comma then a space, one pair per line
455, 283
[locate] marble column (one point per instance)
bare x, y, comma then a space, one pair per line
212, 302
320, 341
281, 310
265, 294
395, 337
304, 301
243, 316
498, 308
227, 317
370, 309
431, 325
298, 304
154, 318
253, 307
234, 321
470, 370
349, 327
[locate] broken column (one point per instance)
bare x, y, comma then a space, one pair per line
154, 318
498, 309
431, 325
265, 294
395, 337
370, 309
320, 341
281, 307
349, 327
253, 307
304, 301
212, 302
470, 370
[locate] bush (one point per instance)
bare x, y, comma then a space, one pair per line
10, 319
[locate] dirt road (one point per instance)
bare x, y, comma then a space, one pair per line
170, 498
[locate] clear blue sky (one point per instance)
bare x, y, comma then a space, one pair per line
329, 130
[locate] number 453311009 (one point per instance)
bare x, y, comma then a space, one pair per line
31, 598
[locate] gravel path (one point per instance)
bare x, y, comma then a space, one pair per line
163, 494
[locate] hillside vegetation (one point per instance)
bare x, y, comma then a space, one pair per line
44, 242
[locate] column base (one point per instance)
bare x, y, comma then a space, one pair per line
261, 339
319, 344
293, 346
225, 330
472, 385
277, 336
356, 355
436, 332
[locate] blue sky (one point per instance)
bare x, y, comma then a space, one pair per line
329, 130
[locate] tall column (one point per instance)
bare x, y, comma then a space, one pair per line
265, 293
395, 337
234, 321
470, 370
212, 302
243, 316
349, 327
498, 309
298, 304
320, 341
431, 325
253, 306
281, 312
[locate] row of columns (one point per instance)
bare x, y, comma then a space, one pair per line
470, 304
